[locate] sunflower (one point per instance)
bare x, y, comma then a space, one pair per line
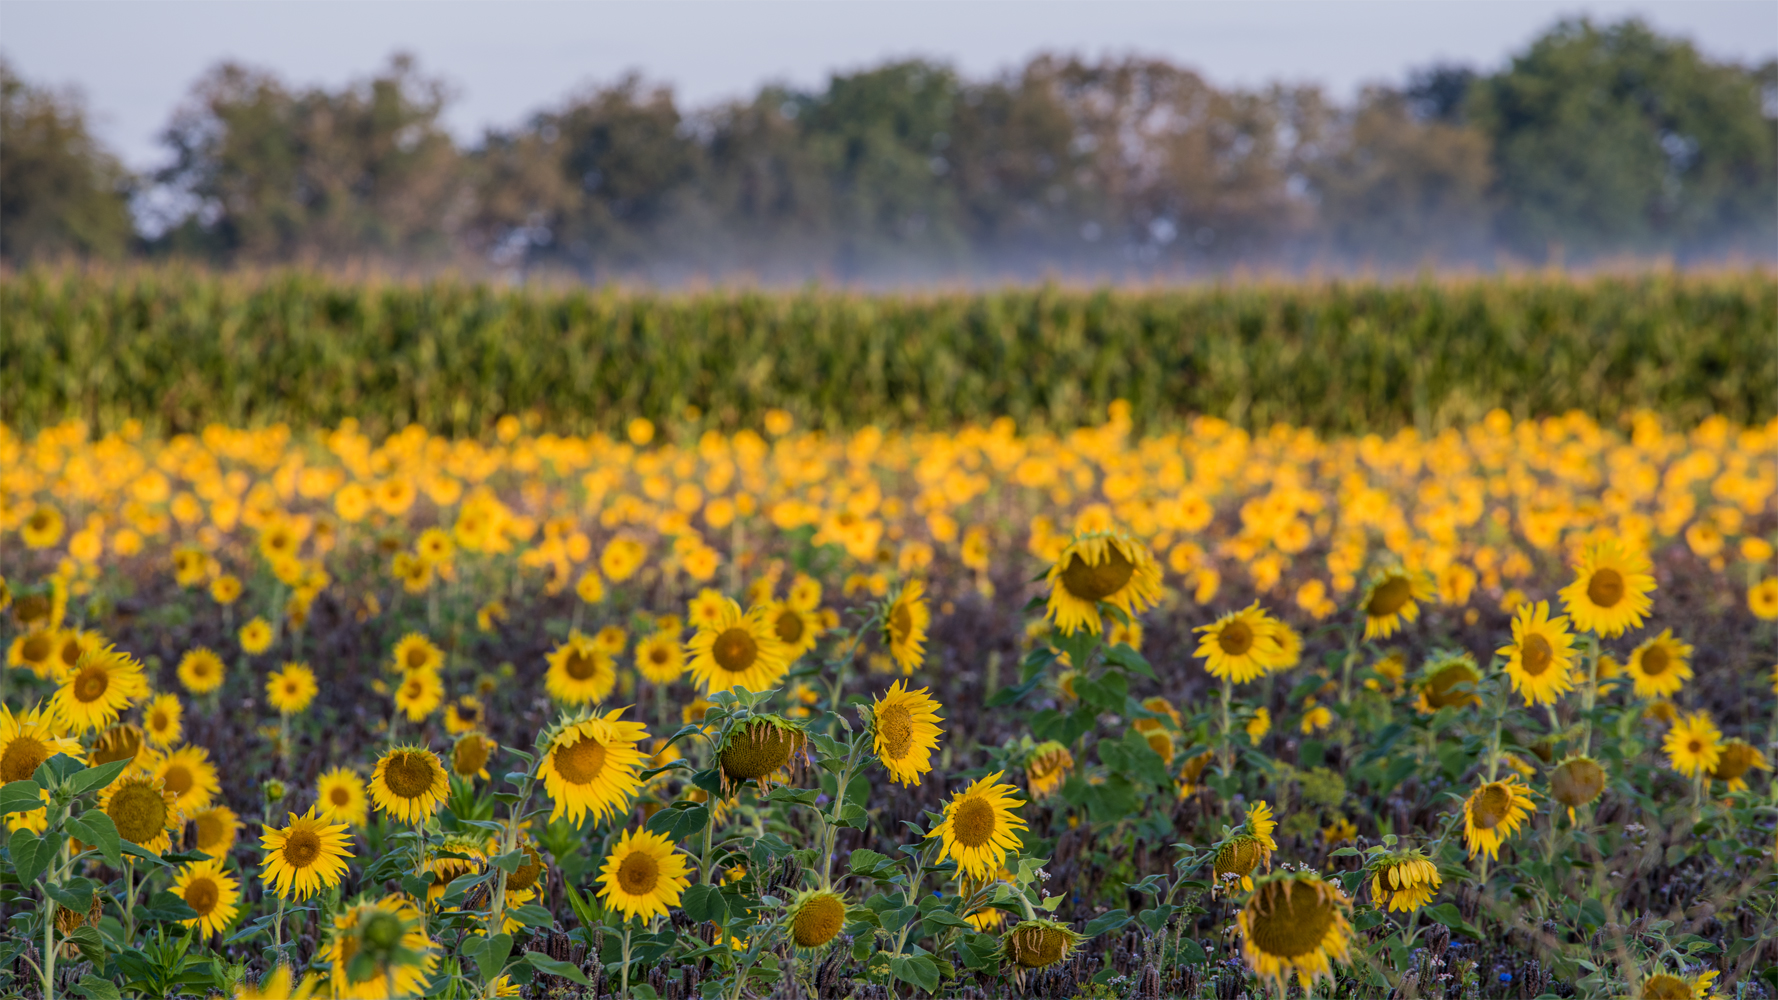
278, 984
980, 828
580, 673
1233, 646
1392, 599
225, 589
446, 866
416, 653
1666, 986
1260, 824
142, 809
1448, 680
1039, 944
215, 829
121, 742
759, 748
162, 720
102, 685
35, 650
188, 774
1577, 781
409, 783
1737, 758
209, 890
27, 740
42, 527
1108, 567
391, 932
1610, 589
643, 875
1404, 881
201, 671
705, 610
71, 644
307, 855
816, 916
737, 650
1694, 744
904, 732
419, 694
466, 714
1541, 653
1046, 767
904, 626
292, 689
256, 636
796, 628
592, 764
340, 797
1493, 812
1659, 667
1762, 599
1294, 922
470, 754
660, 659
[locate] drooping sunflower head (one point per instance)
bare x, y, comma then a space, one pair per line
1237, 859
1737, 758
1047, 766
470, 754
457, 855
1577, 781
816, 917
101, 686
1294, 922
1694, 744
1102, 566
530, 871
1611, 588
643, 876
1448, 680
1667, 986
905, 621
737, 650
1541, 653
1404, 881
980, 828
409, 783
142, 810
307, 855
1238, 646
1039, 944
1660, 667
1493, 813
593, 764
904, 732
1392, 599
27, 740
759, 748
377, 945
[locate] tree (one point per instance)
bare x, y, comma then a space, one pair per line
60, 193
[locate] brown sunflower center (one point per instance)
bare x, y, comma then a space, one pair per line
1288, 920
1440, 691
139, 813
659, 656
1535, 655
895, 724
159, 721
1095, 583
36, 648
818, 920
1655, 661
409, 775
301, 848
31, 609
1390, 596
470, 756
580, 665
579, 763
1694, 745
71, 651
91, 683
901, 622
1666, 987
339, 796
1491, 806
735, 650
1606, 588
210, 832
1235, 638
789, 627
178, 779
201, 895
638, 874
22, 757
526, 874
973, 822
116, 743
1577, 782
416, 657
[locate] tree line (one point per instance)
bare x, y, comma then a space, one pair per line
1594, 140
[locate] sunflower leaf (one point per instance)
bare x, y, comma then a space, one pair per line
678, 823
98, 777
31, 854
1104, 922
97, 829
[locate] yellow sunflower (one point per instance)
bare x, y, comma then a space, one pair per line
27, 740
188, 774
142, 809
1660, 667
580, 673
796, 628
71, 645
904, 732
1393, 598
1737, 758
816, 916
904, 626
121, 742
1762, 599
409, 783
1294, 922
1448, 680
737, 650
1234, 646
162, 720
419, 694
660, 659
1260, 824
1101, 567
384, 925
309, 854
1046, 767
1610, 589
1666, 986
1404, 881
104, 683
1541, 653
980, 828
278, 984
465, 715
340, 797
201, 671
414, 653
643, 876
256, 636
1694, 744
35, 650
292, 689
593, 764
216, 829
209, 890
1493, 812
470, 754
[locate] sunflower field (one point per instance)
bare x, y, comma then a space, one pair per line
1169, 707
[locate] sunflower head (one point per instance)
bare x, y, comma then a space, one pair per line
142, 810
1448, 681
816, 917
1493, 813
530, 871
1404, 881
904, 732
1101, 567
1394, 597
980, 827
409, 783
1039, 944
1660, 667
760, 747
1236, 861
643, 875
27, 740
1294, 922
733, 650
1242, 645
1694, 744
1047, 766
1737, 758
1666, 986
469, 755
1577, 781
1611, 588
905, 621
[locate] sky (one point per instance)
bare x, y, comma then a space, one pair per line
135, 60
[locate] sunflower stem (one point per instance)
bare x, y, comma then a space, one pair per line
129, 899
278, 927
830, 829
624, 990
1228, 738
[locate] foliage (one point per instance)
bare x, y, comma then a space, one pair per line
61, 194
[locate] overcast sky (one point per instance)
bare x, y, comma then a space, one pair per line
136, 59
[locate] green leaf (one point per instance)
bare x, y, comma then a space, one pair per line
97, 777
1106, 923
531, 915
31, 855
1130, 660
916, 970
703, 902
95, 828
20, 796
94, 988
679, 821
90, 943
166, 906
544, 963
